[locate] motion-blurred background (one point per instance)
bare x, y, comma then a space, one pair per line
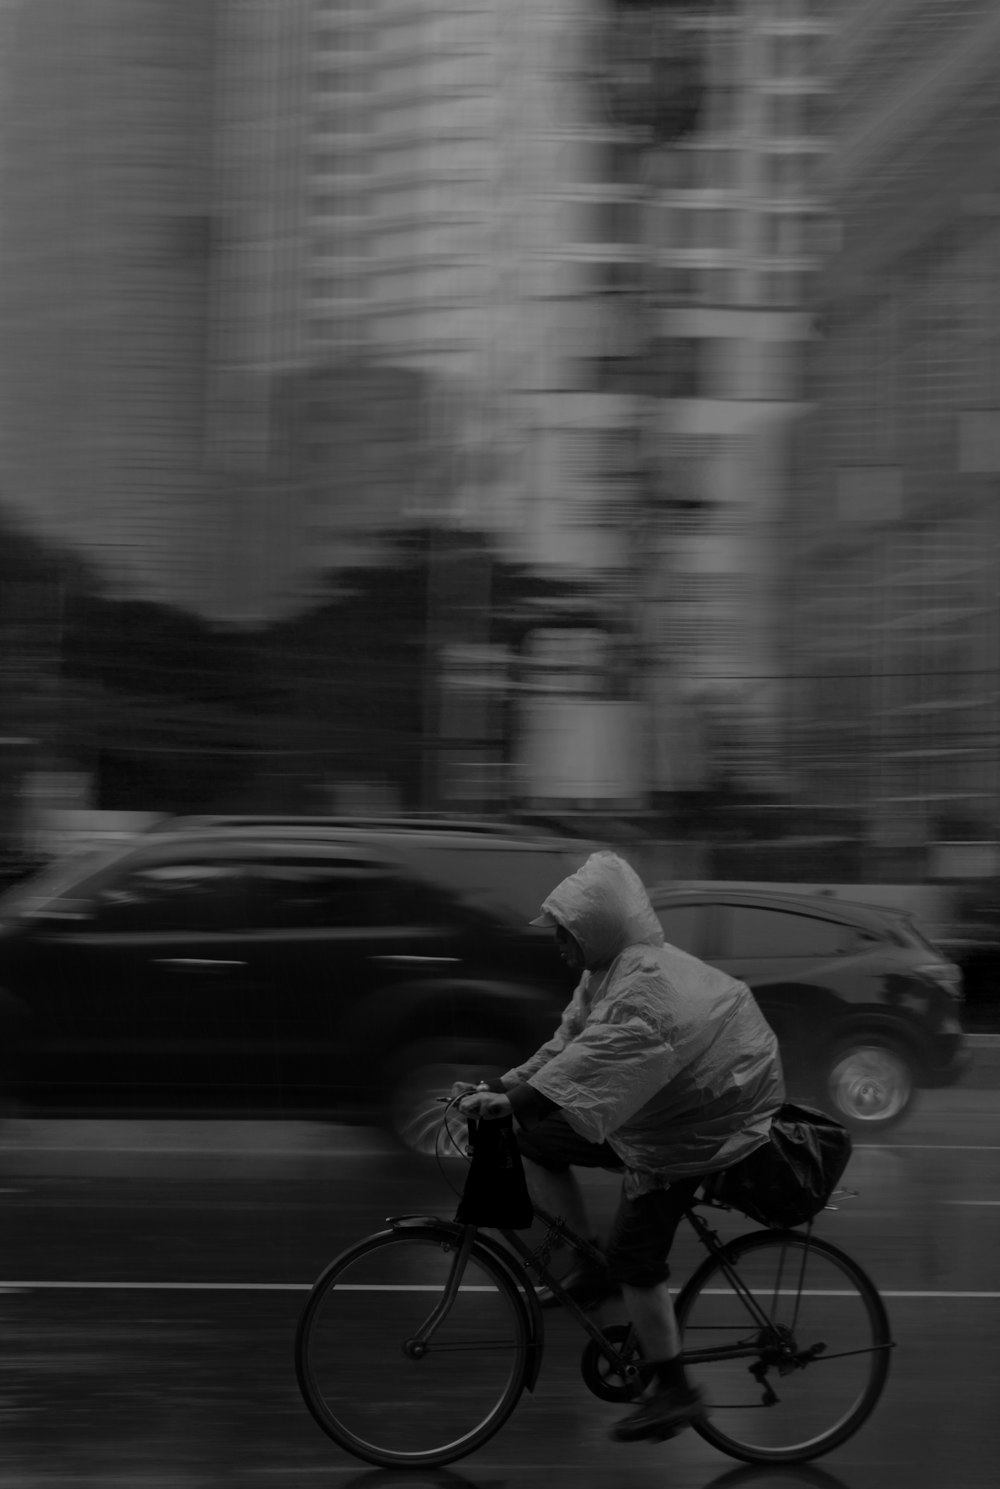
581, 411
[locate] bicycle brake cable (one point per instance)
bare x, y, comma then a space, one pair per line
444, 1127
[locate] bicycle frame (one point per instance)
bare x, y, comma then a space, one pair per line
520, 1257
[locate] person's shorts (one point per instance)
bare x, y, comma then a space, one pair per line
643, 1229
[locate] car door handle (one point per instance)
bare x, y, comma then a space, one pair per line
414, 961
194, 962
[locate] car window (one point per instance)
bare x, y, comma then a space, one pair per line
318, 896
171, 896
66, 876
509, 883
754, 931
682, 926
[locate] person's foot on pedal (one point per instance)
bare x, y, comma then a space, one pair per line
668, 1411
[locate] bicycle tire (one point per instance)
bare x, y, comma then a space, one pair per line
353, 1372
839, 1315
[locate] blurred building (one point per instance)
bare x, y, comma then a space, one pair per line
894, 551
148, 285
477, 215
279, 272
734, 227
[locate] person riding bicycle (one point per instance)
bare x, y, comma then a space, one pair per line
664, 1069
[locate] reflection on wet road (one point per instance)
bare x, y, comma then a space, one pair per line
184, 1376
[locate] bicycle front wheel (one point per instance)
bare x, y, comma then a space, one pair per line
789, 1343
388, 1381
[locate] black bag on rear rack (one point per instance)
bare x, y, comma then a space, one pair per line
495, 1193
790, 1178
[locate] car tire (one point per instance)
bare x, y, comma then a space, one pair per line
868, 1082
417, 1076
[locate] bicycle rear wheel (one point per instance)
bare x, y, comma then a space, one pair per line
815, 1354
372, 1388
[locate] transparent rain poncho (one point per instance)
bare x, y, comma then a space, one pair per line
667, 1059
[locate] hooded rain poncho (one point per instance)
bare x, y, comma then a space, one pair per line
665, 1058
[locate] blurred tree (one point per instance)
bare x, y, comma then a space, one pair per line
355, 669
163, 706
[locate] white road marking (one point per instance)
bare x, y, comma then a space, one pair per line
153, 1150
944, 1147
971, 1202
379, 1287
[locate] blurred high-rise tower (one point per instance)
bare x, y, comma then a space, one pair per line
148, 283
476, 215
894, 563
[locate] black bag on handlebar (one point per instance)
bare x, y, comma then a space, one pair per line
495, 1193
790, 1178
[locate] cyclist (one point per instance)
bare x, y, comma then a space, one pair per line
662, 1068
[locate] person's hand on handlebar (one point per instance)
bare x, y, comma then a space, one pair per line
482, 1103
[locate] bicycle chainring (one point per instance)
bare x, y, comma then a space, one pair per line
599, 1374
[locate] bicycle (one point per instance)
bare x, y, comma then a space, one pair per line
416, 1343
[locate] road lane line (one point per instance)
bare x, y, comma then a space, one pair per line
970, 1201
945, 1147
251, 1287
406, 1287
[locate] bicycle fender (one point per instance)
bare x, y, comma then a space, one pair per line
451, 1231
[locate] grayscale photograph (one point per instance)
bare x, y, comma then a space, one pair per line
499, 744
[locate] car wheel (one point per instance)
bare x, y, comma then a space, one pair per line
868, 1083
416, 1078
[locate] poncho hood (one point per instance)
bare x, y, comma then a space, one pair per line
604, 905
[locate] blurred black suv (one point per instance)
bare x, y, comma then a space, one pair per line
313, 964
866, 1010
351, 966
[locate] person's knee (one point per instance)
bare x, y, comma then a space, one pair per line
536, 1155
633, 1274
643, 1269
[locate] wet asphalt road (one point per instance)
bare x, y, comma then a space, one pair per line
149, 1300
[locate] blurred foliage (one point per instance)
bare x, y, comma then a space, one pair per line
357, 667
169, 712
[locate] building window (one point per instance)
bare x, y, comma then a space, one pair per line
714, 286
718, 228
791, 55
788, 174
783, 115
724, 357
725, 107
611, 222
719, 168
675, 366
790, 287
681, 168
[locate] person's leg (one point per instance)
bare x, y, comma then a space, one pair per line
557, 1192
652, 1315
548, 1150
641, 1238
